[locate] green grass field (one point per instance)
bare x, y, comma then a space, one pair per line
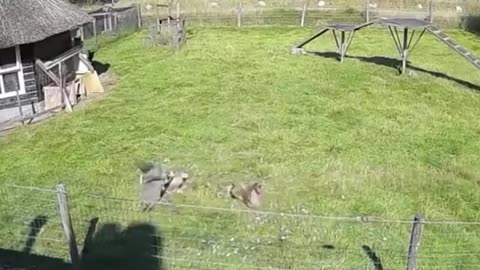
332, 139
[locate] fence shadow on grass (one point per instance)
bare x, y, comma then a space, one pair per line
34, 229
12, 259
395, 63
138, 246
374, 258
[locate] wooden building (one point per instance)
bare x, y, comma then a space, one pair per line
31, 30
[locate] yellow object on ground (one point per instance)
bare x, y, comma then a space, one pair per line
92, 83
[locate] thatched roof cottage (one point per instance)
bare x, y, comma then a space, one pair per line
29, 30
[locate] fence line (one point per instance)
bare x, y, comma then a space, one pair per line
112, 22
312, 12
184, 236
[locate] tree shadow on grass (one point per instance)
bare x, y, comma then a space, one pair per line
395, 63
138, 246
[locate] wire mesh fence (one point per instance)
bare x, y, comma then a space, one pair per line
450, 245
110, 23
115, 232
449, 13
30, 221
195, 237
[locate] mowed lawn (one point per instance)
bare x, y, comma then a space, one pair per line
335, 139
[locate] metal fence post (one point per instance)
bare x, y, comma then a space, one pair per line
239, 14
67, 224
304, 13
414, 244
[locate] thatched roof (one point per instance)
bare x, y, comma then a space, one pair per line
28, 21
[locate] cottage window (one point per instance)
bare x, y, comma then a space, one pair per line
11, 75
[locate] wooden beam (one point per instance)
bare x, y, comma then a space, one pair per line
64, 56
86, 62
57, 81
49, 73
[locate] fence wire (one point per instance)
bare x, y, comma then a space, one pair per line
30, 221
115, 232
446, 13
109, 24
189, 236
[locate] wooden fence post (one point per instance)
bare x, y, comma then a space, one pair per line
367, 10
95, 33
139, 14
115, 22
304, 13
67, 225
178, 9
430, 11
414, 244
239, 14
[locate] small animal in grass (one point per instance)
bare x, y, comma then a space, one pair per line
250, 195
153, 178
176, 182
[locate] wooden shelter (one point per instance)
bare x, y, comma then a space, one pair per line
167, 31
40, 40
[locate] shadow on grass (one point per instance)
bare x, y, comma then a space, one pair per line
98, 66
34, 229
138, 246
374, 258
16, 260
395, 63
19, 260
471, 23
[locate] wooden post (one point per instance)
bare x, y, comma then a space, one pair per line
367, 10
157, 12
239, 14
110, 21
82, 33
63, 89
414, 244
95, 33
67, 224
19, 103
139, 14
430, 11
304, 13
115, 22
178, 10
